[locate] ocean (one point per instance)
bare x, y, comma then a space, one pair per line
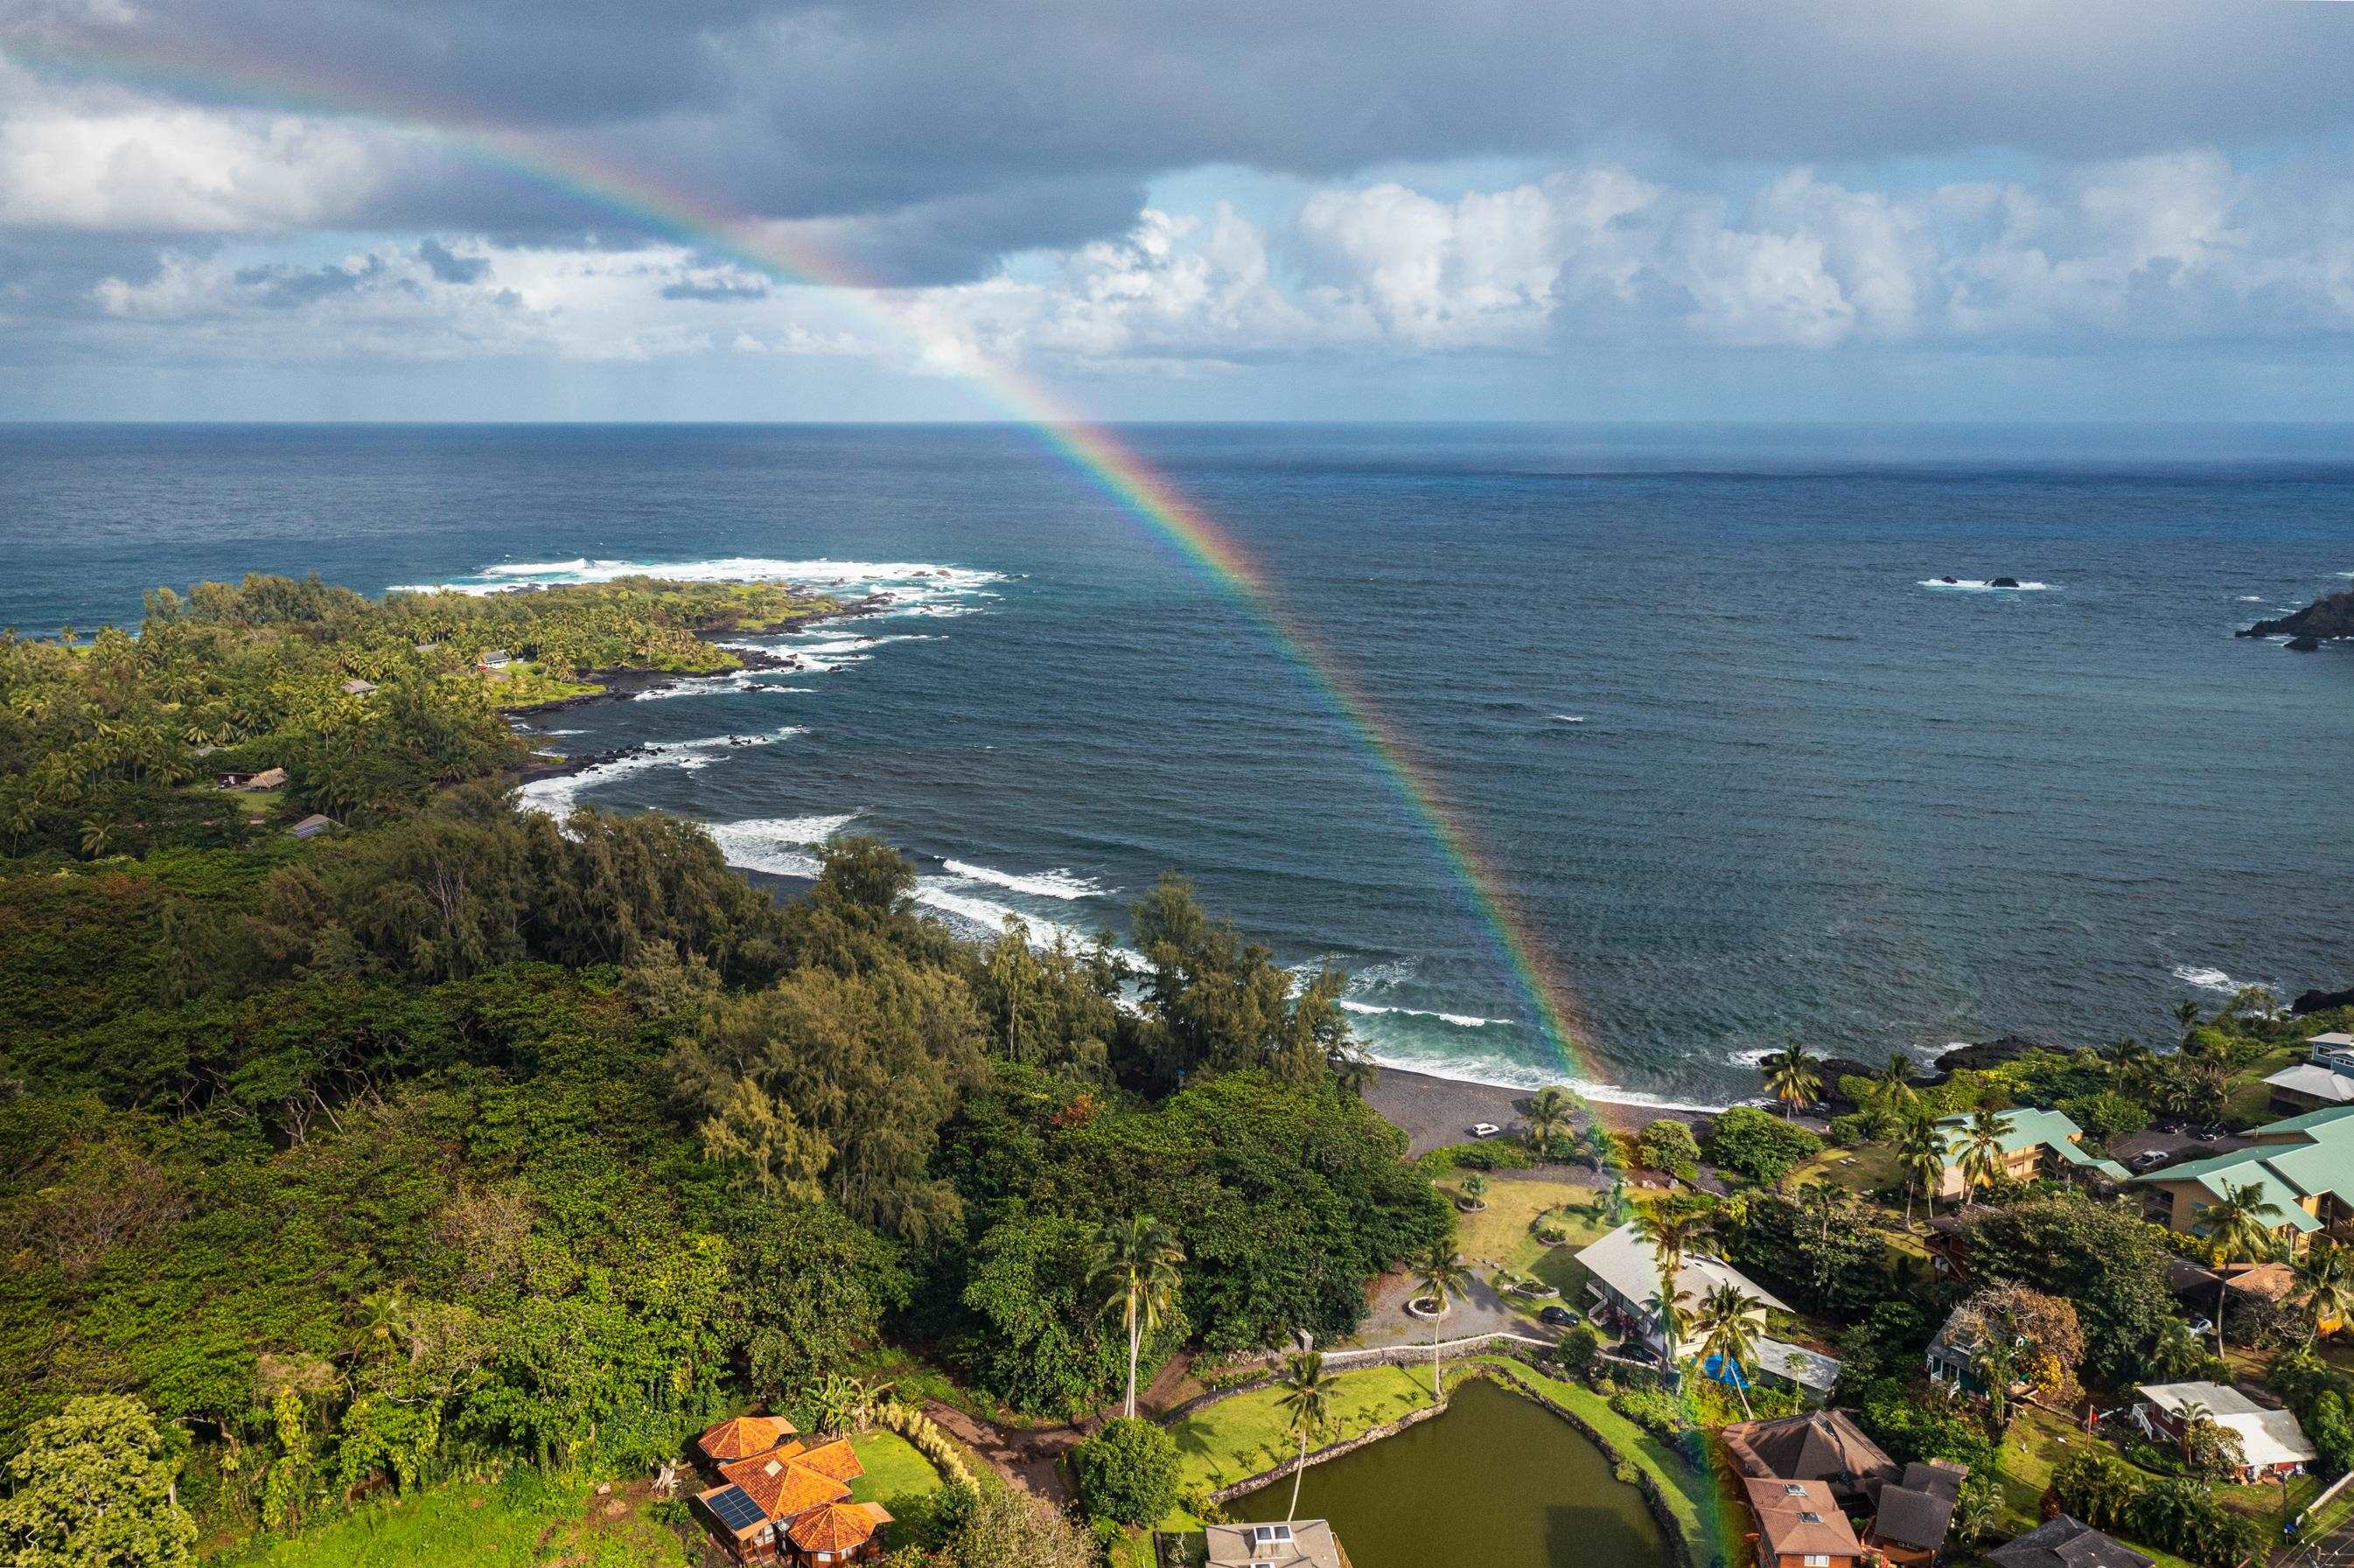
1750, 772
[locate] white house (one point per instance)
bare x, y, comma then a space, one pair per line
2271, 1440
1625, 1273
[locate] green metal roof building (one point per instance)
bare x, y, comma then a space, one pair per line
2302, 1166
2030, 1140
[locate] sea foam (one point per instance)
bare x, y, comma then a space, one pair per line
559, 795
1059, 882
1980, 585
1461, 1020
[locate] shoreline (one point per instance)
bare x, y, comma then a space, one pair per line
626, 682
1435, 1111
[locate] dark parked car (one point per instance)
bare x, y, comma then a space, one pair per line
1558, 1317
1637, 1350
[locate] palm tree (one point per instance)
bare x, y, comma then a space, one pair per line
1474, 1191
2185, 1015
1549, 1112
1821, 1197
1135, 1268
1727, 1323
1921, 1156
1307, 1403
2194, 1417
2238, 1225
1794, 1077
1895, 1084
2325, 1287
1666, 1303
1440, 1272
1982, 1148
1671, 1235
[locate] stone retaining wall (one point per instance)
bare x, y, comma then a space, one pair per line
1318, 1455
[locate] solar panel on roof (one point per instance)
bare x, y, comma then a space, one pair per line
735, 1509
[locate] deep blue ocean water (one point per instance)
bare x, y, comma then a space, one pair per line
1750, 779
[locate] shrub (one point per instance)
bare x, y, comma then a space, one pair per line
1748, 1142
1669, 1146
2106, 1114
925, 1435
1493, 1155
1127, 1471
1578, 1348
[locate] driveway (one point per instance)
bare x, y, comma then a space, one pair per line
1388, 1322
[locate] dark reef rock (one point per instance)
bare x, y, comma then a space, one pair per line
1987, 1054
2332, 615
2003, 582
2321, 1001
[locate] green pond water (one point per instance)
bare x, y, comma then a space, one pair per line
1499, 1481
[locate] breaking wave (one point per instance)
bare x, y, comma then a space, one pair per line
1980, 585
1059, 882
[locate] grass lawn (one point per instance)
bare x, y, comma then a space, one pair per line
523, 1521
1243, 1435
1504, 1233
896, 1475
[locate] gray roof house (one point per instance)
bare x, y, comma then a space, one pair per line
1302, 1544
2066, 1542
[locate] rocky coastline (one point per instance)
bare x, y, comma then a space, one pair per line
624, 683
2329, 618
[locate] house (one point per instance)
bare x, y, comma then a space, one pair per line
1799, 1526
2271, 1440
356, 688
1625, 1274
312, 826
2325, 1078
1916, 1513
268, 778
2266, 1283
1822, 1446
2303, 1165
2032, 1143
744, 1436
1952, 1356
788, 1503
1302, 1544
496, 659
2066, 1542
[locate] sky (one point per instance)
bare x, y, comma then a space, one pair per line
1852, 210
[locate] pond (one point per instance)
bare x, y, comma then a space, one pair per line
1497, 1480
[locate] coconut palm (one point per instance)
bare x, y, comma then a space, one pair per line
1894, 1084
2186, 1015
1440, 1273
2195, 1417
1794, 1077
1135, 1268
1307, 1405
1671, 1235
2239, 1227
1727, 1324
1982, 1148
2325, 1287
1821, 1199
1921, 1156
1474, 1191
1549, 1113
1670, 1310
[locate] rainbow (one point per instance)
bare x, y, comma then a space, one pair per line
1090, 449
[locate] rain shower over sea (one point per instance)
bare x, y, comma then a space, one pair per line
1748, 768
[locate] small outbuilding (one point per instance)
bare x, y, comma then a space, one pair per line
312, 826
358, 688
1299, 1543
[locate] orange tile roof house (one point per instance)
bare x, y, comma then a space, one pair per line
778, 1500
1799, 1526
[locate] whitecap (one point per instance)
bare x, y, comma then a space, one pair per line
1501, 1072
1980, 585
1461, 1020
1571, 719
557, 796
777, 845
2205, 978
2251, 599
1059, 882
900, 577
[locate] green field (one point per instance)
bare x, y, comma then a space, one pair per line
1247, 1435
896, 1475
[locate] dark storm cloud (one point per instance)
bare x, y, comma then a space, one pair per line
930, 135
448, 267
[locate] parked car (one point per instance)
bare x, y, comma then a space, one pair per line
2150, 1158
2202, 1326
1485, 1130
1637, 1350
1558, 1317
